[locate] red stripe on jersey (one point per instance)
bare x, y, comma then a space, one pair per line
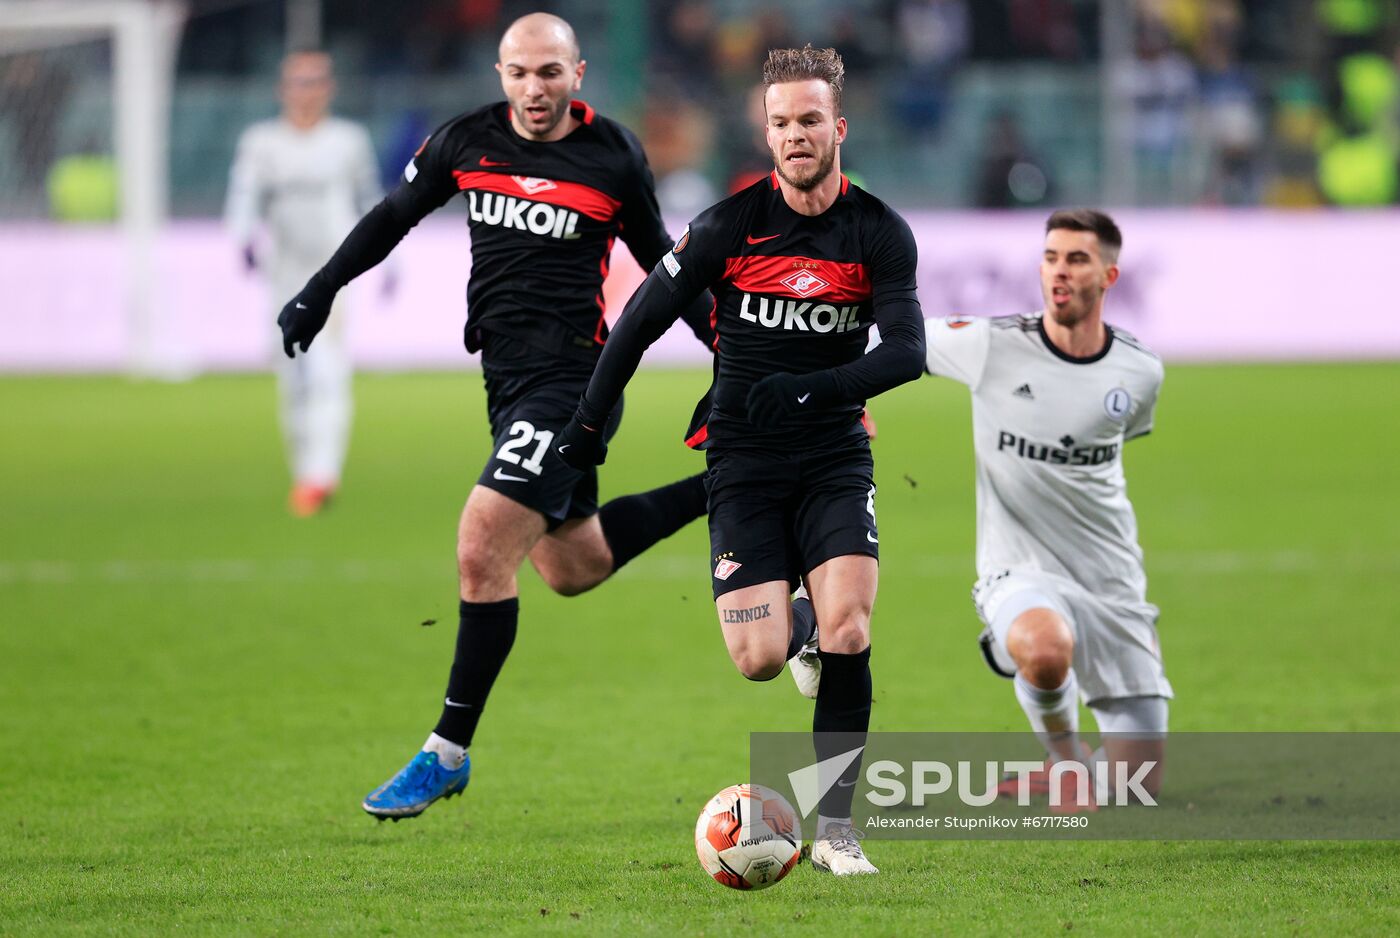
839, 282
698, 437
602, 305
571, 195
845, 184
582, 110
773, 178
714, 321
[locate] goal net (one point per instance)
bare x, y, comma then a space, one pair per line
85, 88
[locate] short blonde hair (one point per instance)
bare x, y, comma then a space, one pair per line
804, 64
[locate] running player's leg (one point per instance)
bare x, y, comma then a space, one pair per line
843, 593
838, 542
1028, 619
583, 552
1041, 643
804, 651
292, 410
757, 625
494, 536
328, 408
517, 496
314, 407
1127, 687
753, 565
1134, 734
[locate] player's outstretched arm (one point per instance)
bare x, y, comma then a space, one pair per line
647, 316
368, 243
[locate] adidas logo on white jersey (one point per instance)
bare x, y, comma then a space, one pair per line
1024, 391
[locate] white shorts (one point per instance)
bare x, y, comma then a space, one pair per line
1116, 653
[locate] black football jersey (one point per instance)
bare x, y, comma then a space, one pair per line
796, 293
543, 219
793, 294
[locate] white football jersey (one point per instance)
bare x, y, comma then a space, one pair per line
309, 187
1048, 432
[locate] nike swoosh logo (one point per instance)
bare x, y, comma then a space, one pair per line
842, 784
301, 306
564, 447
486, 162
803, 398
871, 538
504, 477
752, 240
452, 703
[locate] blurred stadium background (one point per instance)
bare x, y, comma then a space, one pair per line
229, 681
1240, 122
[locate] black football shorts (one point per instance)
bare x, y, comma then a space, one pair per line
528, 407
777, 516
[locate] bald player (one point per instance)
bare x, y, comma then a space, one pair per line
548, 184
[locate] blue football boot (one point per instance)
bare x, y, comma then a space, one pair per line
416, 786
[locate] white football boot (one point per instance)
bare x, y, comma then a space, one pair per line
838, 851
806, 666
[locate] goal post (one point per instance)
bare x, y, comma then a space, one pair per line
144, 37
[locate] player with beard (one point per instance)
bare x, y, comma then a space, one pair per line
801, 265
1061, 586
548, 184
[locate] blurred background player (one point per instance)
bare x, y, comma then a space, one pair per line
304, 178
801, 264
549, 184
1061, 585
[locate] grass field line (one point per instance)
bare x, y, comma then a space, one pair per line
61, 572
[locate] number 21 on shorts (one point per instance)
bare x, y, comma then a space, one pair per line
522, 434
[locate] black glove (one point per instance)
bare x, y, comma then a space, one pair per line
582, 445
305, 315
776, 398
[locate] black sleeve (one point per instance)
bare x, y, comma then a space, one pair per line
642, 229
900, 356
644, 233
676, 284
648, 314
368, 243
427, 185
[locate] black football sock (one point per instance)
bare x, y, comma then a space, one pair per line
484, 637
804, 621
633, 523
841, 721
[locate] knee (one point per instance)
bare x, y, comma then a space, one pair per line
567, 582
572, 575
478, 569
757, 663
1047, 664
759, 668
847, 635
1043, 649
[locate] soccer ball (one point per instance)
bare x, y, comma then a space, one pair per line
748, 837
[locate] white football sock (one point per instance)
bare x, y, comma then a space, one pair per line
450, 755
1054, 715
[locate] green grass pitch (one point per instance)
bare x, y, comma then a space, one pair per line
196, 690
